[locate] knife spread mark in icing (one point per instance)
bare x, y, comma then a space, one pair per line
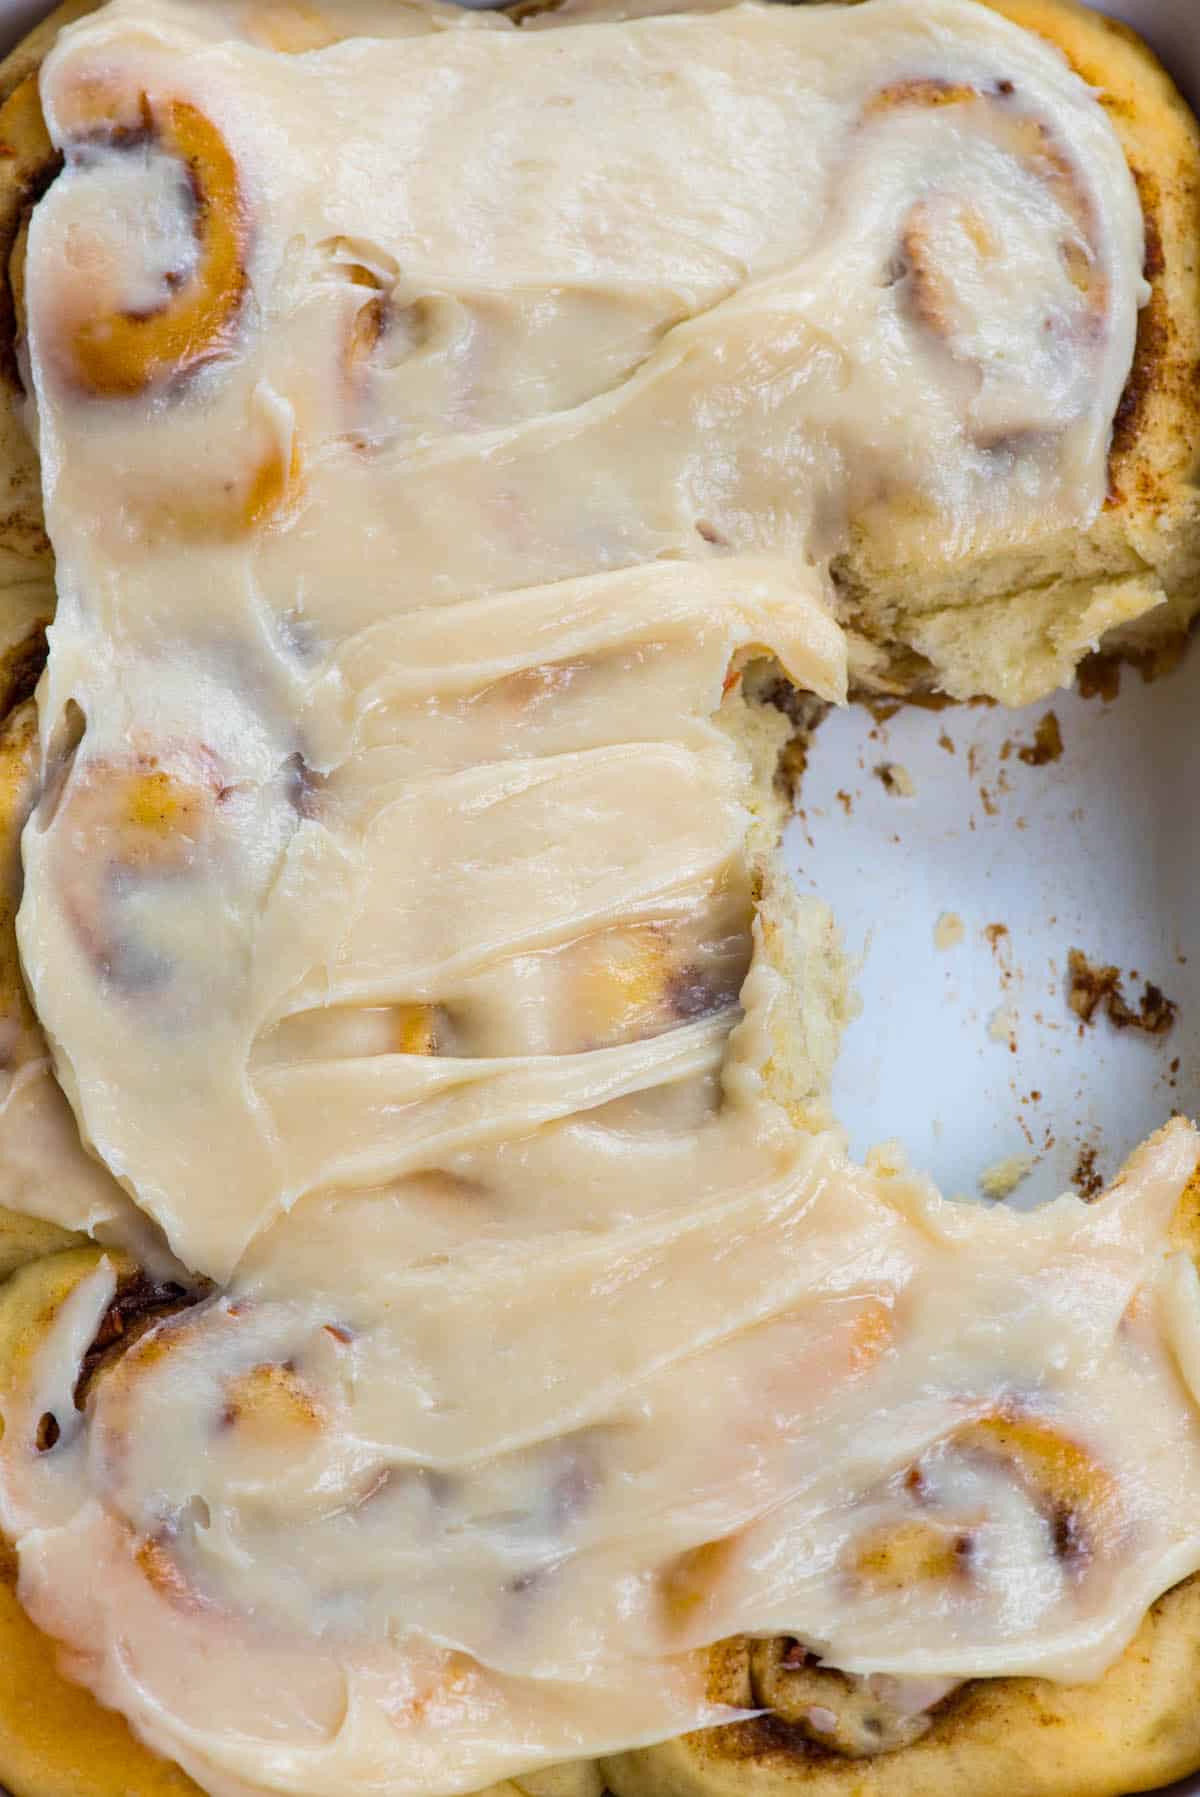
433, 426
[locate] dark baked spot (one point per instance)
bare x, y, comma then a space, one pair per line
521, 10
894, 779
1154, 335
1162, 373
48, 1432
1155, 1013
138, 1303
1150, 348
1098, 676
1047, 744
1087, 1177
780, 1736
1089, 986
1092, 987
914, 1481
31, 191
21, 667
119, 135
1070, 1541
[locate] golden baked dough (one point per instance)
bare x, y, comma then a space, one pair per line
55, 1739
1137, 1728
27, 165
22, 1238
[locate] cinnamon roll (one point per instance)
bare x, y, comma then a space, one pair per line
1013, 623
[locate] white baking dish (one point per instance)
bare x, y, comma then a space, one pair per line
1094, 851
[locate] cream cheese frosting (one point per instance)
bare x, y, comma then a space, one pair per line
434, 423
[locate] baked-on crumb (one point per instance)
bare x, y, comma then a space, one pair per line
1099, 674
1091, 988
1047, 744
948, 931
1087, 1178
896, 780
1003, 1177
1002, 1027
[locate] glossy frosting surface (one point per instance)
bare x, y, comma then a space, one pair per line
433, 426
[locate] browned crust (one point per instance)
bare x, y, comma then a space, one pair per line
1151, 349
55, 1739
1155, 432
1136, 1729
21, 664
27, 57
18, 749
22, 1238
28, 164
26, 167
